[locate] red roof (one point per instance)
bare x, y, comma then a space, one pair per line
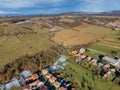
62, 88
34, 76
53, 78
43, 88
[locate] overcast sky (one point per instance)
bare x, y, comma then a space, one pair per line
56, 6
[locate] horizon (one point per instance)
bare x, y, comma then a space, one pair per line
27, 7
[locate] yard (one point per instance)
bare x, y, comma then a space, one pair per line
85, 80
110, 44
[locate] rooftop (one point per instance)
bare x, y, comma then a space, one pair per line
111, 60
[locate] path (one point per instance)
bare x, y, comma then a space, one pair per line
96, 51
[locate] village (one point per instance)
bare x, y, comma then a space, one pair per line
46, 79
109, 65
49, 79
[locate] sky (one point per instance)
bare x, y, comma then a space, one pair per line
26, 7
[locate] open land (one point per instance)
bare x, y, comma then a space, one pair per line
82, 34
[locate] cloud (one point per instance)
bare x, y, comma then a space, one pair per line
56, 6
8, 12
27, 3
88, 5
2, 12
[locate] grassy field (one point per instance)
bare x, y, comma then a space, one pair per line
111, 43
86, 80
12, 47
81, 35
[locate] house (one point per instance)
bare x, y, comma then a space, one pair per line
88, 58
113, 69
78, 55
82, 50
118, 63
83, 56
74, 52
57, 84
25, 74
44, 72
48, 75
52, 79
13, 82
62, 88
112, 61
106, 67
33, 77
93, 61
107, 75
40, 84
26, 87
34, 84
44, 88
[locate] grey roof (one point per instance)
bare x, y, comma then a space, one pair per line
26, 74
13, 82
111, 60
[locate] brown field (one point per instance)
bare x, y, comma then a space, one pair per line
73, 37
29, 38
84, 25
80, 35
108, 16
67, 20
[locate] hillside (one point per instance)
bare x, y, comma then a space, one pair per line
35, 42
18, 37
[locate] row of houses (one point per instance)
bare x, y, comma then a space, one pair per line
111, 61
108, 64
46, 79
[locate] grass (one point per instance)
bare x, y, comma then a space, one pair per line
83, 34
81, 74
12, 47
109, 43
95, 30
1, 29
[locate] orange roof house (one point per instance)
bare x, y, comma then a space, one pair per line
52, 79
74, 52
44, 72
34, 76
57, 84
48, 75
